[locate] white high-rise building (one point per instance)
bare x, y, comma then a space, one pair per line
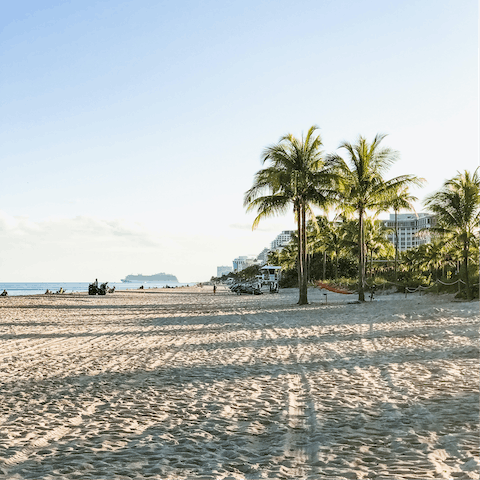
281, 240
243, 261
408, 227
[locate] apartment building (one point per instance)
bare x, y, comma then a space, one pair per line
409, 226
243, 261
281, 240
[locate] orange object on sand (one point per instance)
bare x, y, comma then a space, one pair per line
332, 288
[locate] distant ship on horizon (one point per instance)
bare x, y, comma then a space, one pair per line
157, 277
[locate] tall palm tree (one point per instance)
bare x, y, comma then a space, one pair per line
362, 186
297, 176
457, 209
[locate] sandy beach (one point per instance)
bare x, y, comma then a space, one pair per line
182, 384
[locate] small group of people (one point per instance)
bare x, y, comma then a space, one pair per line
49, 292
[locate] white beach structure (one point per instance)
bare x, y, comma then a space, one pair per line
271, 276
271, 273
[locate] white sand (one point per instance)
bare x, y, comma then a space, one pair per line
181, 384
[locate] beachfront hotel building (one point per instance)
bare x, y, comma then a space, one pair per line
409, 226
281, 240
242, 262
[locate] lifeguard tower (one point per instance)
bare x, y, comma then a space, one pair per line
271, 276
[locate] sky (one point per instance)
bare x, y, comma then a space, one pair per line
130, 130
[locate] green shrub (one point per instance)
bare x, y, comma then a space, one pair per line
289, 278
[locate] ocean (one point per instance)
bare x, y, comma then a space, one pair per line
37, 288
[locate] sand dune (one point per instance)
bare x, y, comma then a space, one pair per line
180, 384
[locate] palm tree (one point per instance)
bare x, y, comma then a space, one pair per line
376, 241
288, 255
335, 239
317, 238
457, 210
362, 187
431, 256
297, 176
273, 257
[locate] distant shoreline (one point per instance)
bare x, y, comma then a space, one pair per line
15, 289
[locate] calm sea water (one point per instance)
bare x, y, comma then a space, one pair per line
36, 288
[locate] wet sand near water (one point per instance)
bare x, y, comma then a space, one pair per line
182, 384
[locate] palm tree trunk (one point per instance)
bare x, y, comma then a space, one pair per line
325, 264
299, 257
309, 264
361, 262
336, 266
396, 244
367, 265
465, 261
303, 286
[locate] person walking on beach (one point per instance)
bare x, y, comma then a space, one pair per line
214, 289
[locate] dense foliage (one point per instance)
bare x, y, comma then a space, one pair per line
355, 243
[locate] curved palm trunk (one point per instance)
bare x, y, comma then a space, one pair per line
361, 258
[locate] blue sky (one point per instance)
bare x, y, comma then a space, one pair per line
130, 130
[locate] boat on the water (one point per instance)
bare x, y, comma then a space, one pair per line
157, 277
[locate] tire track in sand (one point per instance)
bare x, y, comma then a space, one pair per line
302, 418
65, 346
55, 434
299, 448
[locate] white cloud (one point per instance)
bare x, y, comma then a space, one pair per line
83, 248
58, 230
69, 248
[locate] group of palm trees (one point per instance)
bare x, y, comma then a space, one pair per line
332, 248
300, 176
